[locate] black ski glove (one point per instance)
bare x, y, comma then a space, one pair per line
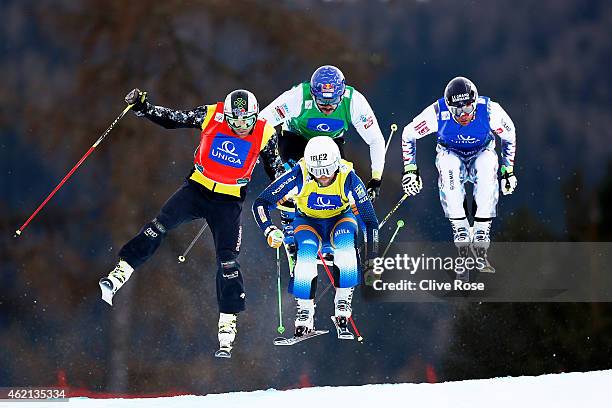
374, 188
137, 98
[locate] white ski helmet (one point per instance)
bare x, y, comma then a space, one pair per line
240, 110
322, 156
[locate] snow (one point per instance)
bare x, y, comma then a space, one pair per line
553, 390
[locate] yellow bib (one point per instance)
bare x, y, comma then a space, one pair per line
323, 202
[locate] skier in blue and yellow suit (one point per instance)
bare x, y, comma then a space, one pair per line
322, 186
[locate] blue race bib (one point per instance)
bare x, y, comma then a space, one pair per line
324, 201
229, 151
325, 125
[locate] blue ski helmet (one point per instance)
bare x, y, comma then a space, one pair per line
327, 85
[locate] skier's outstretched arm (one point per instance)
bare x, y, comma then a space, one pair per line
422, 125
274, 193
166, 117
273, 165
288, 105
364, 121
502, 126
354, 187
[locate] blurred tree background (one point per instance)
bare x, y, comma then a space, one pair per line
66, 66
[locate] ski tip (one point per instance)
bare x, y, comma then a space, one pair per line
107, 293
223, 354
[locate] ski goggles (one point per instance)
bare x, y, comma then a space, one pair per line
460, 110
328, 101
323, 171
241, 123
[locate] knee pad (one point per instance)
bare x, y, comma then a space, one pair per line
154, 229
230, 288
230, 269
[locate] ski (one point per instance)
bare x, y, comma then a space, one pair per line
106, 286
343, 331
284, 341
223, 353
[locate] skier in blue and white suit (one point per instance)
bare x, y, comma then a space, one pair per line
466, 125
323, 188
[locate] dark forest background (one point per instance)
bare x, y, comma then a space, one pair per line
65, 67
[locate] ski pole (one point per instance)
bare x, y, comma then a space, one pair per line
399, 203
280, 328
327, 288
331, 278
400, 224
182, 258
393, 129
76, 166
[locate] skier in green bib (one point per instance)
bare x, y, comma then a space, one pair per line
326, 106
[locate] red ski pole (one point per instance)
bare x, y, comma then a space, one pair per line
76, 166
331, 278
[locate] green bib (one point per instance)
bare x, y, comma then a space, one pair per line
311, 122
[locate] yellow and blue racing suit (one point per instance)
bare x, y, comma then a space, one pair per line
325, 219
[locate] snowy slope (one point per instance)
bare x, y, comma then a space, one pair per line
556, 390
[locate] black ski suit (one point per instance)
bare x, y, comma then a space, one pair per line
194, 200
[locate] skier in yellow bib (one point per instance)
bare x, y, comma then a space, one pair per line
323, 187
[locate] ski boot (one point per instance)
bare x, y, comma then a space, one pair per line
461, 237
115, 280
480, 245
304, 318
343, 310
227, 334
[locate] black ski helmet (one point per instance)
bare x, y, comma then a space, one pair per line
458, 93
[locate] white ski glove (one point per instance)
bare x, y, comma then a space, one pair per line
274, 236
411, 180
508, 180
